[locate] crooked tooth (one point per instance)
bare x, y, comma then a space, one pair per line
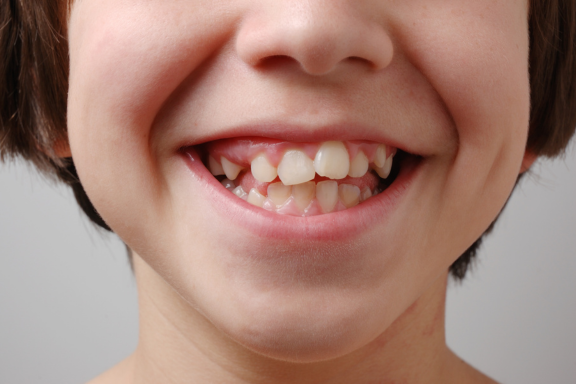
380, 157
327, 195
384, 171
256, 198
332, 160
214, 167
349, 194
230, 169
295, 168
358, 166
239, 191
228, 184
262, 170
278, 193
366, 194
303, 194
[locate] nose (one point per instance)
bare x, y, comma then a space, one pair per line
318, 34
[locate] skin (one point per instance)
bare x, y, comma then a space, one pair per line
446, 80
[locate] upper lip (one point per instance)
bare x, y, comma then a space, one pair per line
303, 134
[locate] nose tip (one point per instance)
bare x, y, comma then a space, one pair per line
317, 39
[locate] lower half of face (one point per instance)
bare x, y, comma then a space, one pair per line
300, 172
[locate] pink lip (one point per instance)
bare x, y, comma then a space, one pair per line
340, 225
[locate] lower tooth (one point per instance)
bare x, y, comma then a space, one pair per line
228, 184
349, 194
303, 194
278, 193
366, 194
327, 195
255, 198
239, 191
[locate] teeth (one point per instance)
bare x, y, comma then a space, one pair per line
359, 165
278, 193
380, 158
255, 198
262, 170
303, 194
332, 160
228, 184
366, 194
295, 168
239, 191
230, 169
384, 171
214, 167
349, 194
327, 195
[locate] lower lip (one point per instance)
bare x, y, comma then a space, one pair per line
340, 225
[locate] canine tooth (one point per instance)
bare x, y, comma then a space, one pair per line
327, 195
256, 198
230, 169
349, 194
303, 194
384, 171
332, 160
214, 167
295, 168
366, 194
359, 165
380, 158
239, 191
262, 170
278, 193
228, 184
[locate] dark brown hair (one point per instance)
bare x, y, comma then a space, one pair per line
34, 86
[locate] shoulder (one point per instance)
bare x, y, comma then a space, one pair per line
119, 374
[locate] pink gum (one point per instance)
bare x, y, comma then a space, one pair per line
242, 151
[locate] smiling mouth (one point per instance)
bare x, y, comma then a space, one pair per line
302, 179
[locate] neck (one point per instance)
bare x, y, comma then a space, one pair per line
179, 345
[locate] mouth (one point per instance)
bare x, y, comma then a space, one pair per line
279, 187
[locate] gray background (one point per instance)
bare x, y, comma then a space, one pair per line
68, 300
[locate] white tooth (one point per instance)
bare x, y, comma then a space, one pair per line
278, 193
214, 167
295, 168
384, 171
262, 170
239, 191
359, 165
230, 169
303, 194
349, 194
327, 195
332, 160
366, 194
256, 198
380, 157
228, 184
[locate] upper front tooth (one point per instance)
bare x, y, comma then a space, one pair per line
384, 171
230, 169
332, 160
214, 167
295, 168
349, 194
262, 170
359, 165
380, 158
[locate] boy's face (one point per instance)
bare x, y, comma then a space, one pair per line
445, 83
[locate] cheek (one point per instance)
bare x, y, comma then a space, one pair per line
126, 59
